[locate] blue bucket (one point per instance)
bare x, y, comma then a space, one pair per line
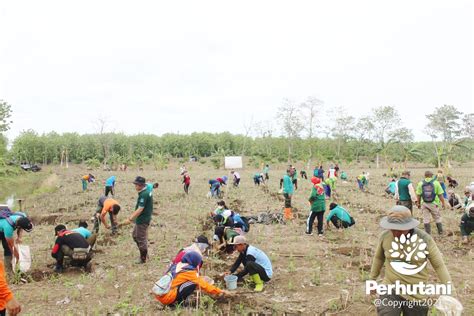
230, 281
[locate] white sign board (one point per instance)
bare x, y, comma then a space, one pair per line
233, 162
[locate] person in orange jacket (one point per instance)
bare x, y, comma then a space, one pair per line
8, 303
186, 280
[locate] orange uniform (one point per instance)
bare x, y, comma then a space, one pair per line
182, 277
5, 293
108, 203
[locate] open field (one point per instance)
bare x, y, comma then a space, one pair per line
312, 275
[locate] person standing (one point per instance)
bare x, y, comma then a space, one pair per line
288, 191
142, 218
110, 186
266, 170
405, 192
317, 201
440, 178
399, 227
429, 197
186, 182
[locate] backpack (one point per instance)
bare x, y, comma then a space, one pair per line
6, 213
163, 285
428, 192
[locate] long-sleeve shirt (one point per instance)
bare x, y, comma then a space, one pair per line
71, 239
187, 276
467, 224
403, 195
340, 213
253, 254
5, 293
383, 257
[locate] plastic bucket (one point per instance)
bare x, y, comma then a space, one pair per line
230, 282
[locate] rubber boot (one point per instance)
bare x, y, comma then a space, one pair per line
428, 228
8, 267
258, 282
440, 228
288, 214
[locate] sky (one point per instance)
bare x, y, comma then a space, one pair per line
189, 66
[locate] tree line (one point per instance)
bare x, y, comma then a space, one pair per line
376, 136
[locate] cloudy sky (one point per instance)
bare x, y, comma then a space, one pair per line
184, 66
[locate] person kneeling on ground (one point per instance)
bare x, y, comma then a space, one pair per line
255, 262
186, 280
467, 224
224, 236
339, 216
454, 200
73, 245
391, 187
82, 229
200, 245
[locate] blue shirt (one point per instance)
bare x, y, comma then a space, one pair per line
340, 213
5, 226
261, 259
83, 231
149, 187
110, 182
391, 187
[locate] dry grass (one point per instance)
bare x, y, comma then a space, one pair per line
311, 275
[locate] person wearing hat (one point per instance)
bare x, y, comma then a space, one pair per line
429, 195
235, 178
200, 245
142, 218
401, 229
454, 200
256, 263
186, 280
8, 224
288, 191
467, 223
317, 201
405, 192
67, 243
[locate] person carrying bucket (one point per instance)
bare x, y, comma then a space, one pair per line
255, 262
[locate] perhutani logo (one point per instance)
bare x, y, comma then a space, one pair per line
406, 248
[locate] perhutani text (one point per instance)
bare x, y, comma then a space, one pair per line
407, 289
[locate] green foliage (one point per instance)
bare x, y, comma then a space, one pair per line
5, 114
93, 163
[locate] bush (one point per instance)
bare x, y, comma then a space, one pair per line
93, 163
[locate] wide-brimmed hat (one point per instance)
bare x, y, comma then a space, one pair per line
238, 240
399, 218
139, 180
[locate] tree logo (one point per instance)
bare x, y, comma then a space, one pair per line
405, 248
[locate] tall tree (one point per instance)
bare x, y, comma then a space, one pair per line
5, 114
445, 129
310, 109
385, 120
343, 128
290, 120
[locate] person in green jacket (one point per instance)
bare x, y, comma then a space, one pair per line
288, 191
401, 262
142, 218
266, 169
317, 200
339, 216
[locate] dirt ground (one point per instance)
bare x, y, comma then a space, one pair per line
312, 275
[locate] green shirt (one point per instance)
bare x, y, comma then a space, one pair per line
145, 200
383, 257
403, 192
437, 187
266, 169
287, 185
318, 201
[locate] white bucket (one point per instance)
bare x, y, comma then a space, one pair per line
230, 282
